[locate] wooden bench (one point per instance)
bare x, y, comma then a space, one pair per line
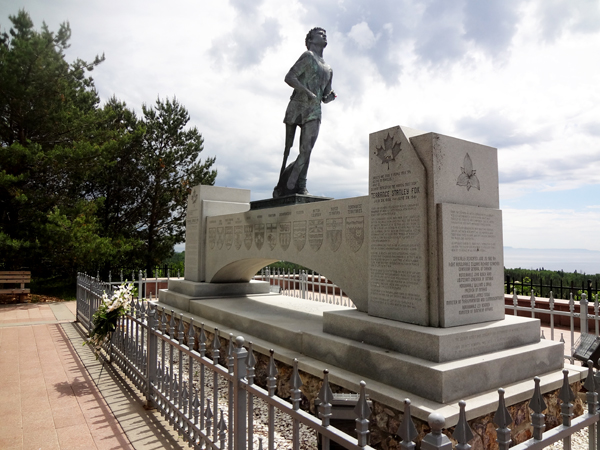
21, 278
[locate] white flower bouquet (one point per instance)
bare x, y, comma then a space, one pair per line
104, 320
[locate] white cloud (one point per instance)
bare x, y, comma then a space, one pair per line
362, 35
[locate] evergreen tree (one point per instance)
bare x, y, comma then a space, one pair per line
47, 108
83, 186
170, 166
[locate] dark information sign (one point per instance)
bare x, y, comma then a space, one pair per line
588, 348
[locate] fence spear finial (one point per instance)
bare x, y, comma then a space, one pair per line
462, 431
296, 383
567, 396
271, 374
502, 417
202, 340
363, 412
407, 430
590, 384
191, 334
216, 346
537, 405
566, 393
250, 364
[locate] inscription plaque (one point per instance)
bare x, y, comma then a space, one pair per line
472, 263
398, 229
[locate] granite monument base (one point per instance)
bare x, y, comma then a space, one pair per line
294, 199
181, 292
299, 325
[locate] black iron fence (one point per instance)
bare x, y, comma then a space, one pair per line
560, 289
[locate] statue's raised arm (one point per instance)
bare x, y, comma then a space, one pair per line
311, 79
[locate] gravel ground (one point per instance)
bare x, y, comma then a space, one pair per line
579, 441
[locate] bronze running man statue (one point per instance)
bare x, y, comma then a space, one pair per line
311, 79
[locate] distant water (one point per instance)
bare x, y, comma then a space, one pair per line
569, 260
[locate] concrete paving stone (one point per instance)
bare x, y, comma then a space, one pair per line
27, 355
63, 402
75, 437
36, 392
42, 414
9, 387
113, 442
10, 377
28, 374
64, 417
33, 405
33, 363
52, 378
41, 424
45, 439
49, 361
11, 421
59, 390
82, 388
11, 441
11, 394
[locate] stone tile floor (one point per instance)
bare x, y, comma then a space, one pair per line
49, 399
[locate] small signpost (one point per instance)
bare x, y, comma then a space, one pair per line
588, 348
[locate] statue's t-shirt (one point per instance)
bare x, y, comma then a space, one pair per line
313, 72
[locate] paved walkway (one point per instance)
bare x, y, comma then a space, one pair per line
55, 395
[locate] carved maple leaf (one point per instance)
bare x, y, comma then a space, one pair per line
389, 151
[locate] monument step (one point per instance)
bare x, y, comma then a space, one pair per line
440, 382
197, 289
297, 325
433, 344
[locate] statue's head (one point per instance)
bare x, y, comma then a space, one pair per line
311, 33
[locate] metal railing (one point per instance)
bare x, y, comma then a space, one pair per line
306, 285
583, 316
210, 401
146, 286
559, 288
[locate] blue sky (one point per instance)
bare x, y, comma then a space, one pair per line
519, 75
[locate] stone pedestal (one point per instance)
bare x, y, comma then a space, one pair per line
203, 202
295, 199
180, 292
436, 231
442, 365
